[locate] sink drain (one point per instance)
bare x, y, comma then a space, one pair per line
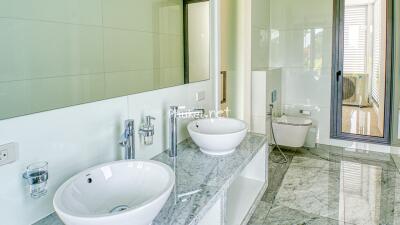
119, 208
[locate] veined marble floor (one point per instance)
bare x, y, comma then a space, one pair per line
330, 185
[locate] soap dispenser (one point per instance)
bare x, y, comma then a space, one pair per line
147, 130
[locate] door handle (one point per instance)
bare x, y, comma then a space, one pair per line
338, 74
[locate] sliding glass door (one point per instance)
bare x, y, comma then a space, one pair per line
361, 79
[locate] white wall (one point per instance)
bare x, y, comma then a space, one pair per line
300, 44
263, 84
236, 55
260, 21
75, 138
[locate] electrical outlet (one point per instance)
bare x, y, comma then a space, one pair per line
3, 155
8, 153
200, 96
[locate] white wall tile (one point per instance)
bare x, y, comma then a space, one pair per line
157, 103
308, 48
259, 13
73, 11
67, 42
306, 87
259, 46
171, 76
259, 93
128, 14
122, 83
70, 139
150, 15
123, 54
259, 125
170, 50
48, 49
75, 138
14, 98
301, 45
289, 14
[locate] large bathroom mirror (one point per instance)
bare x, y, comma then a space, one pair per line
197, 41
56, 54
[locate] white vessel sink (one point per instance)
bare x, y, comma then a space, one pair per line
118, 193
217, 136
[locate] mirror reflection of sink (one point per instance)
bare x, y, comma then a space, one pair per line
217, 136
118, 193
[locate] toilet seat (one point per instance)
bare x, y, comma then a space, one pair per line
293, 121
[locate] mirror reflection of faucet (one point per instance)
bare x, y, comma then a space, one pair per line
128, 136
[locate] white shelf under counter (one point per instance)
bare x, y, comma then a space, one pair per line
246, 190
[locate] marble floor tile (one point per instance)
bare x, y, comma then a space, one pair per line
310, 185
260, 214
396, 201
321, 154
318, 163
330, 185
51, 219
385, 165
361, 192
396, 161
275, 176
281, 215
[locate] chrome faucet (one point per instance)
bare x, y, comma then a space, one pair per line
174, 114
128, 140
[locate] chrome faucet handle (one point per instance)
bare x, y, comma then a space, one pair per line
129, 126
128, 131
128, 139
149, 119
123, 140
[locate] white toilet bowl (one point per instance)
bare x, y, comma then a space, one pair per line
291, 131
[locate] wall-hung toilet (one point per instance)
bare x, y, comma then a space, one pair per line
291, 131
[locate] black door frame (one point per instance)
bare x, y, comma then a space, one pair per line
337, 77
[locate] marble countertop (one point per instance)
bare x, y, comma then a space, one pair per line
200, 180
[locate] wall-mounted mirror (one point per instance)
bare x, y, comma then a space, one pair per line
197, 41
69, 52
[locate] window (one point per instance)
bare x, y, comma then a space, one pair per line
355, 39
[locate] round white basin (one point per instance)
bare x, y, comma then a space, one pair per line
118, 193
217, 136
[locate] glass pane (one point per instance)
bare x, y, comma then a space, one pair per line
61, 53
198, 41
364, 64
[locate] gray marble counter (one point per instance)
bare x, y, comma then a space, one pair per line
200, 180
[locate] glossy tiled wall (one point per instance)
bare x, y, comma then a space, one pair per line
301, 44
75, 138
260, 34
66, 52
